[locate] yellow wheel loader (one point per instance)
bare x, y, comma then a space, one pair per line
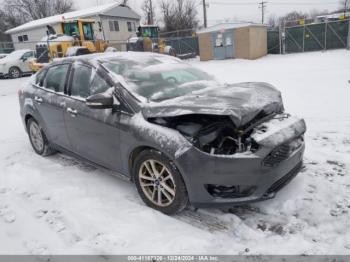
73, 33
148, 40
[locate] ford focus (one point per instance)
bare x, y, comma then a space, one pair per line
179, 134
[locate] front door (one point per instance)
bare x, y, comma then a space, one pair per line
50, 102
92, 132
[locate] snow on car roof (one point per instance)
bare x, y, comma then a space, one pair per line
135, 56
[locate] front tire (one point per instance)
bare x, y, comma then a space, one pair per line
159, 183
38, 139
15, 72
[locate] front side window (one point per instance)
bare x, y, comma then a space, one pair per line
27, 55
88, 32
81, 81
39, 78
86, 82
56, 78
98, 85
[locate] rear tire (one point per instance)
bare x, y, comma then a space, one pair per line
38, 139
172, 52
159, 183
15, 72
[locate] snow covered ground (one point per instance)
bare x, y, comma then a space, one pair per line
59, 205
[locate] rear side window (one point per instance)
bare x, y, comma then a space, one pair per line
81, 81
56, 78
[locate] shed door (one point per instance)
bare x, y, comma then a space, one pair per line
223, 45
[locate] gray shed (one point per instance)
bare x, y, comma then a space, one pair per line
232, 40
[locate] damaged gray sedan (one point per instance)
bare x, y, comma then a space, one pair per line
180, 135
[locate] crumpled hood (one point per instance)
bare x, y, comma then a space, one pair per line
242, 102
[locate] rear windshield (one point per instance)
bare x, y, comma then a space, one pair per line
157, 80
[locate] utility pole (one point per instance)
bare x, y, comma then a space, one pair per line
262, 6
151, 12
205, 14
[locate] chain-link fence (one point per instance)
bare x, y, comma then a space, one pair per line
6, 47
309, 37
185, 47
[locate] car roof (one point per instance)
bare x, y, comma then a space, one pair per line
96, 58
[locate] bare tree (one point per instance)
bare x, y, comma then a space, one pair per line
37, 9
149, 11
294, 15
273, 21
124, 3
179, 15
17, 12
344, 6
314, 13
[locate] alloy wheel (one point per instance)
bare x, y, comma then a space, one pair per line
157, 183
15, 73
36, 136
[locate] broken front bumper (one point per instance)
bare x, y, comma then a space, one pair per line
222, 180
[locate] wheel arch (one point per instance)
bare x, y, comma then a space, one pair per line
136, 151
133, 155
27, 117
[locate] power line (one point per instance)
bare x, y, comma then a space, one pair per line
262, 6
273, 3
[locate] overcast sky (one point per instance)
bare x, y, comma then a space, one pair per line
239, 10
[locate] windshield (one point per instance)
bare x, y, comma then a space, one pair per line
158, 81
151, 32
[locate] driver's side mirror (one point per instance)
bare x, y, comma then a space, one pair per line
24, 59
102, 101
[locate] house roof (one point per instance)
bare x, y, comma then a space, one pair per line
227, 26
112, 9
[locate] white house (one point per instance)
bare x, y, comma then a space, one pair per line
114, 23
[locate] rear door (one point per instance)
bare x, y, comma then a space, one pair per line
50, 102
92, 132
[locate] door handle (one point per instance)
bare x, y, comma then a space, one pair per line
38, 99
72, 111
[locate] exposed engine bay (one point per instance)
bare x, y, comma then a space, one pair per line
216, 135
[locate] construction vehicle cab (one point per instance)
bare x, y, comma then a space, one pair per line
148, 31
71, 33
147, 40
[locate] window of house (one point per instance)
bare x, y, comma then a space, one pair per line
22, 38
113, 25
129, 26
